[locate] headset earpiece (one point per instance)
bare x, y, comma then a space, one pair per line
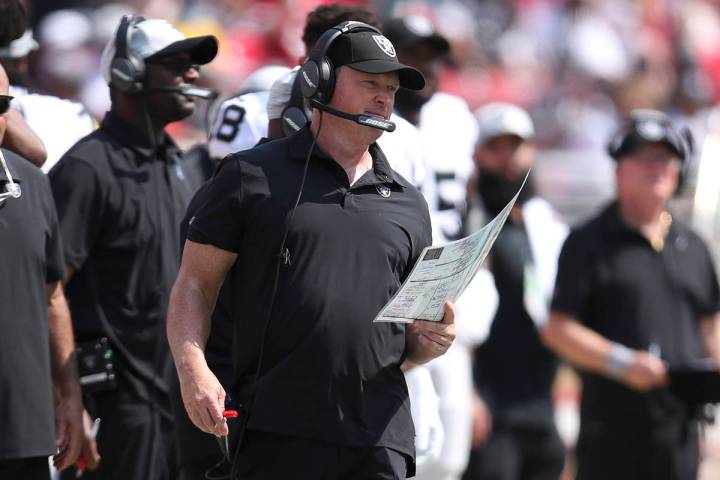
127, 71
317, 74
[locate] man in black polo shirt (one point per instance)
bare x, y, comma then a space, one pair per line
121, 193
330, 400
37, 351
636, 291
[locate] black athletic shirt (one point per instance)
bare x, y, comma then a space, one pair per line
328, 373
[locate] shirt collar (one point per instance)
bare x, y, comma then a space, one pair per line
133, 138
616, 225
300, 142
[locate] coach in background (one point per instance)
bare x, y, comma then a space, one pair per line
121, 193
37, 351
329, 400
636, 291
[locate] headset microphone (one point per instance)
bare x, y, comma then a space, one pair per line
367, 120
187, 90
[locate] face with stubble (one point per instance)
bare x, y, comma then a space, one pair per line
360, 93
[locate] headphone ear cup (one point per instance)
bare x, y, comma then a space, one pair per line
122, 74
327, 81
309, 79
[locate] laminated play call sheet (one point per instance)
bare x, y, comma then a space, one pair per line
441, 273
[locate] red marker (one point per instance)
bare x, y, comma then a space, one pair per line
230, 414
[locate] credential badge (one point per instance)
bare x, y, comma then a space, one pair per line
385, 45
383, 190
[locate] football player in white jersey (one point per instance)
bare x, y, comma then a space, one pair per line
449, 129
58, 122
445, 122
241, 121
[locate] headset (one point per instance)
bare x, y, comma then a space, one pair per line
127, 70
317, 76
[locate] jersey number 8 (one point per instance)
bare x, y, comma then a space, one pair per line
230, 125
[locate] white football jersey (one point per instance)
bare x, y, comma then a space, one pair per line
241, 122
449, 130
58, 122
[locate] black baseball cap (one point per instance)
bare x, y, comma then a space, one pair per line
411, 31
371, 52
644, 127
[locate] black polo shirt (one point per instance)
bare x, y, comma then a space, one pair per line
328, 373
514, 343
30, 258
120, 200
615, 283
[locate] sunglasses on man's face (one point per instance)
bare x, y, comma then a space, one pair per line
177, 65
5, 103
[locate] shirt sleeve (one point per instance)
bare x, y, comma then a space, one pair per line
218, 220
79, 201
573, 283
54, 258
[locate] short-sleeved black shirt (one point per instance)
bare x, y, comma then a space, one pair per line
328, 372
30, 258
615, 283
120, 200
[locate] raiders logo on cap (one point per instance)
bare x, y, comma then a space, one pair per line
385, 45
651, 130
383, 190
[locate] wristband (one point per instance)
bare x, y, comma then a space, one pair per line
617, 361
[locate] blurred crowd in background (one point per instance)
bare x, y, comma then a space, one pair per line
576, 65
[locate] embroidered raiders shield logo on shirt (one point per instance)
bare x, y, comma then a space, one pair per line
385, 45
383, 190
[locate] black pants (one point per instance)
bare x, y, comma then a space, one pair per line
134, 441
267, 456
514, 453
626, 451
31, 468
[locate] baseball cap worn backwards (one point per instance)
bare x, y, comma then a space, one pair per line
154, 38
371, 52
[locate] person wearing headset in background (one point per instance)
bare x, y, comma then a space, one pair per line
326, 231
636, 293
121, 193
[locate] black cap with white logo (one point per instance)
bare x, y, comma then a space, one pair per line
370, 52
645, 127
